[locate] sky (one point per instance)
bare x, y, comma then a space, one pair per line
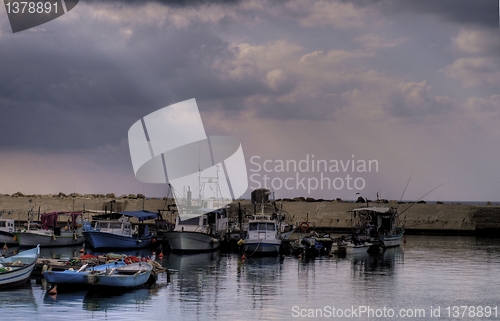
410, 87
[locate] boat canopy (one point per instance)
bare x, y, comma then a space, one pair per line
382, 210
141, 215
49, 220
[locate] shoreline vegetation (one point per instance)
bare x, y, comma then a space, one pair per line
438, 218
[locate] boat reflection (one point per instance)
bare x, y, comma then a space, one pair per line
144, 252
98, 300
193, 274
364, 264
190, 262
262, 274
69, 298
105, 300
18, 298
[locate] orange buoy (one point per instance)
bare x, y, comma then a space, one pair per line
160, 255
82, 250
243, 257
53, 291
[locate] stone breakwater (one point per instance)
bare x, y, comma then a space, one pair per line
333, 215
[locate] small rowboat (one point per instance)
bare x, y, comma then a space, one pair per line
16, 270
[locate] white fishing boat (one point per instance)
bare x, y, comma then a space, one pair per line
196, 233
16, 270
58, 229
262, 237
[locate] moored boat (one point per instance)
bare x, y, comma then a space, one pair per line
7, 232
118, 233
73, 278
197, 233
378, 225
16, 270
52, 234
117, 274
262, 237
133, 275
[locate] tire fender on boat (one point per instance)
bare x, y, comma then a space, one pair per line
304, 226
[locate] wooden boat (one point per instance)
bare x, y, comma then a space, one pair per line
52, 234
78, 277
16, 270
378, 225
117, 274
118, 233
133, 275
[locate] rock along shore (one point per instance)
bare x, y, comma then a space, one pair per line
420, 218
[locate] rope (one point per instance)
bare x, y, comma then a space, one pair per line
256, 248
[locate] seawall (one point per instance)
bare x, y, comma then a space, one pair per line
442, 219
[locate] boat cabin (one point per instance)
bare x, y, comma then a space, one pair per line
7, 225
118, 227
261, 227
215, 222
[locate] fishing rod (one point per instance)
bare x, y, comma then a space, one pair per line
404, 191
432, 190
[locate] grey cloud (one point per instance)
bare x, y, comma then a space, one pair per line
476, 12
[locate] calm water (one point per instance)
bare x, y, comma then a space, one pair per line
427, 271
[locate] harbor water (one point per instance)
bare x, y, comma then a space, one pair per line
428, 277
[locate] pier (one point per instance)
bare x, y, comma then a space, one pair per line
323, 215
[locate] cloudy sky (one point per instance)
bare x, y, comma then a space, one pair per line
412, 85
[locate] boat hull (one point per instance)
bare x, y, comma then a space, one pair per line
103, 240
191, 242
19, 275
260, 248
117, 280
391, 241
31, 238
8, 238
71, 277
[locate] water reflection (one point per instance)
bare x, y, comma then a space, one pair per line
364, 264
104, 300
20, 297
145, 252
58, 253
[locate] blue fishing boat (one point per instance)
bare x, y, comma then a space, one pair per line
117, 275
129, 276
78, 277
118, 233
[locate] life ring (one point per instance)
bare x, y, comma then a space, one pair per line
304, 226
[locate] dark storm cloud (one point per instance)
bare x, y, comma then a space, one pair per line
464, 12
70, 92
170, 3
